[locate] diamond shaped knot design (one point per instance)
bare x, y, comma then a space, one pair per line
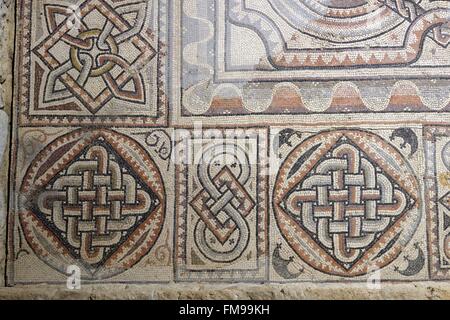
107, 52
95, 199
347, 202
95, 204
445, 201
214, 212
223, 204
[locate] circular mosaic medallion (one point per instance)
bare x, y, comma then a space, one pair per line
94, 199
347, 202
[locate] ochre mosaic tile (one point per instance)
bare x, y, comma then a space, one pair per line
256, 141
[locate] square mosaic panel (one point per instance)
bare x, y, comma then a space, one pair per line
97, 63
347, 204
96, 199
222, 207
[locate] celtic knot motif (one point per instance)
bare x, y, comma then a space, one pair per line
95, 204
106, 54
346, 202
81, 57
222, 233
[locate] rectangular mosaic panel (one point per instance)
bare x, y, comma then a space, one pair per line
274, 57
221, 207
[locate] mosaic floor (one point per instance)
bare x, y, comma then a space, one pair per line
260, 141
